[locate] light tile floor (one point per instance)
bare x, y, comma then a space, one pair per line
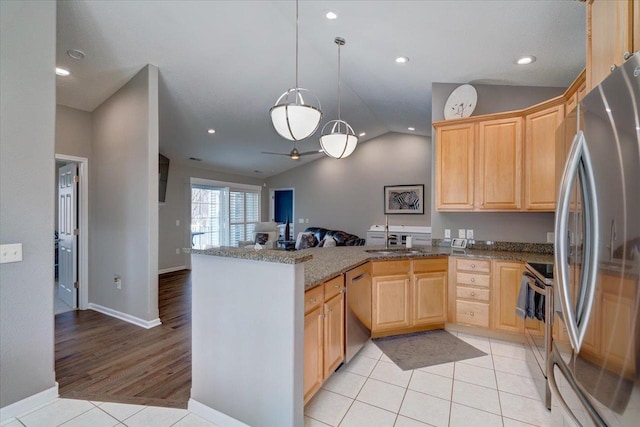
498, 389
83, 413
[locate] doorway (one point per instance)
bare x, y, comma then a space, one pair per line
281, 203
71, 234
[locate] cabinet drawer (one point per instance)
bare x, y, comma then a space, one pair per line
483, 266
313, 298
333, 287
389, 268
473, 279
428, 265
472, 313
472, 293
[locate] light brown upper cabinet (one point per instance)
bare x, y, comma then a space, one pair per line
454, 167
612, 30
540, 163
498, 172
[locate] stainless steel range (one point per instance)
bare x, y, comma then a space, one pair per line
540, 282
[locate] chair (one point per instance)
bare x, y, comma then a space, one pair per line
265, 233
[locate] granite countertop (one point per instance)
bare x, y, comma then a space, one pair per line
322, 264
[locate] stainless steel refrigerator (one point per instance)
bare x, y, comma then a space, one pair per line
596, 381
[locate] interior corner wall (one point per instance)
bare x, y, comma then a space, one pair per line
175, 212
123, 213
497, 226
27, 131
347, 194
73, 132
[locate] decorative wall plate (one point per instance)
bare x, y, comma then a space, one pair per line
461, 102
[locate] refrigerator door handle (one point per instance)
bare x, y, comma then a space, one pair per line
578, 163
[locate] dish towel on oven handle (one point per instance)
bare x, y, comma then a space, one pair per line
530, 303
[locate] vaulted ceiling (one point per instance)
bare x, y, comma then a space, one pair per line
223, 64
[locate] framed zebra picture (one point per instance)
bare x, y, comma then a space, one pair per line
404, 199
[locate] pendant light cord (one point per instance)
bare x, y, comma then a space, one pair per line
297, 51
339, 84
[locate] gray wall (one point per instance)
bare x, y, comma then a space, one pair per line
177, 207
503, 226
73, 132
27, 129
124, 199
347, 194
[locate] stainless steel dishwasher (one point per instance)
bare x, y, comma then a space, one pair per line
358, 309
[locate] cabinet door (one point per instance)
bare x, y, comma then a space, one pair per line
313, 339
454, 167
609, 36
333, 334
390, 302
617, 329
540, 159
636, 26
499, 168
429, 298
506, 287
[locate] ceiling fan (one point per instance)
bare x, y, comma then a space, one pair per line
293, 154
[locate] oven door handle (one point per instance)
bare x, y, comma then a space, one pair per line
578, 164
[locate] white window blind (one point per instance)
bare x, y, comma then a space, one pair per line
222, 216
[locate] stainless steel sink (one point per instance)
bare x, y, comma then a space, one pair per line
395, 251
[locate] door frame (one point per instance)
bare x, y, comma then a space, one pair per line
272, 207
83, 226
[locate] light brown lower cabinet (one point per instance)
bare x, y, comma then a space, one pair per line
323, 334
408, 295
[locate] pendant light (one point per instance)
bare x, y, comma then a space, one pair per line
338, 140
293, 116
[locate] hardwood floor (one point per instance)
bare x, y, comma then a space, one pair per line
105, 359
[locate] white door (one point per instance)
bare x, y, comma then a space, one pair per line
68, 240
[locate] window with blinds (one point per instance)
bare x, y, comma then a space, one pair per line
222, 216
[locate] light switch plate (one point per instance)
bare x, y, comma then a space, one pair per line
11, 252
462, 233
469, 234
551, 237
447, 233
300, 220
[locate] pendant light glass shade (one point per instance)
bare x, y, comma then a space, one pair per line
338, 140
293, 117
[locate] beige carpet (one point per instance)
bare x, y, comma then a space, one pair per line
413, 351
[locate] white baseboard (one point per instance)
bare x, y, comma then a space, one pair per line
212, 415
147, 324
172, 269
28, 404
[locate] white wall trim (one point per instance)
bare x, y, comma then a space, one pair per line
29, 404
83, 225
212, 415
172, 269
147, 324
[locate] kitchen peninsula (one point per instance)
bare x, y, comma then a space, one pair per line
248, 319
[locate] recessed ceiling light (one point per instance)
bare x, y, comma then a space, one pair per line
402, 59
411, 128
211, 131
331, 15
362, 134
62, 72
524, 60
75, 54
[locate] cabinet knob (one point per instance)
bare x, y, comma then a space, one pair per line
313, 300
473, 294
473, 266
471, 313
336, 286
613, 67
473, 280
331, 310
626, 55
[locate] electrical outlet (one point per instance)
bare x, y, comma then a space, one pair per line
118, 281
177, 223
551, 236
462, 233
11, 252
469, 234
300, 220
177, 251
447, 233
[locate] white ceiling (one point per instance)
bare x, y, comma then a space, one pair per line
224, 63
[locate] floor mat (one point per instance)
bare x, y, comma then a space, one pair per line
413, 351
